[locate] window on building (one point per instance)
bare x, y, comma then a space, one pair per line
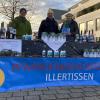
89, 10
82, 27
98, 24
90, 25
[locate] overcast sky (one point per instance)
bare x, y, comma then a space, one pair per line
39, 8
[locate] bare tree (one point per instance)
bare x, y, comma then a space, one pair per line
9, 8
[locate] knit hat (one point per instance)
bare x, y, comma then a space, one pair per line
50, 11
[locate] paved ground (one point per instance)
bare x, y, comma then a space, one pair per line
54, 93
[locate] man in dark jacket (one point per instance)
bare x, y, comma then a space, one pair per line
49, 25
71, 25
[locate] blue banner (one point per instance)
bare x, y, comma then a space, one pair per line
20, 73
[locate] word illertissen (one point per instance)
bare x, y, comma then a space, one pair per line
70, 76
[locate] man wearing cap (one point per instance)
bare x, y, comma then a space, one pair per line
21, 24
48, 25
70, 26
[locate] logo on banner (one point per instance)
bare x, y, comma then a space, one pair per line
2, 77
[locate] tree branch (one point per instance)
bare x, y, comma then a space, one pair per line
9, 8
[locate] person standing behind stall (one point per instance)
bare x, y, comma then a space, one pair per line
70, 26
21, 24
48, 25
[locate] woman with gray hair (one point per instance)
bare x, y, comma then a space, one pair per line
70, 26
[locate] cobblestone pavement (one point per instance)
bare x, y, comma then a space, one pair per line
54, 93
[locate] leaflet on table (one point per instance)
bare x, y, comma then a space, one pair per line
27, 37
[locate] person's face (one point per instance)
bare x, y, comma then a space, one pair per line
23, 13
50, 15
69, 17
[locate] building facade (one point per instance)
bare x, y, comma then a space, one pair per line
87, 14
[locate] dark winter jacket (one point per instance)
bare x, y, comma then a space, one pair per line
73, 27
48, 25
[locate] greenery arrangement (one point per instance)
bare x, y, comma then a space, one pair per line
7, 52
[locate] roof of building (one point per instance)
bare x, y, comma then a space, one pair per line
76, 5
58, 13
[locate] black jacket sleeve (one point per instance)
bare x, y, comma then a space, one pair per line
61, 27
76, 28
41, 29
57, 28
